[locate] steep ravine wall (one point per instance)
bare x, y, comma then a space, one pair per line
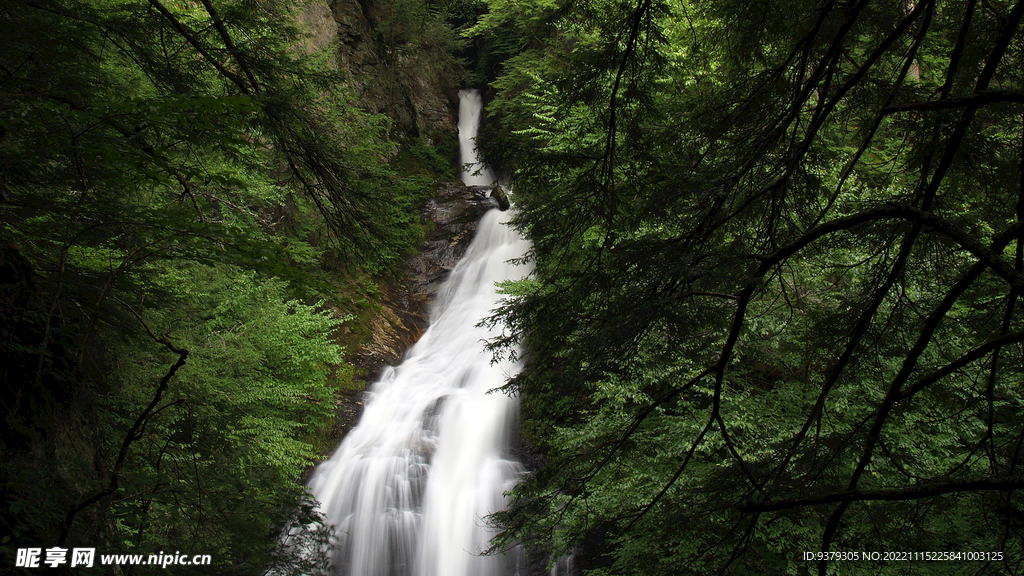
405, 70
452, 215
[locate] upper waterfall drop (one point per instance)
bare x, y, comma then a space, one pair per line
409, 486
471, 105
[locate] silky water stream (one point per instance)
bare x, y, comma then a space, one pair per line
409, 487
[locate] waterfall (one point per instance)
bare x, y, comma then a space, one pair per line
471, 104
409, 486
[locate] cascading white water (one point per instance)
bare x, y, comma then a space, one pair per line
409, 486
470, 106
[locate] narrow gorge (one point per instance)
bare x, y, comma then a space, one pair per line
410, 487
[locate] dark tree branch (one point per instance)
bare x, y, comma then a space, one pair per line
639, 420
929, 192
961, 363
917, 492
679, 472
134, 433
191, 38
892, 397
999, 265
218, 22
958, 51
978, 99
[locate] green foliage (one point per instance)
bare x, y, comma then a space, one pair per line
435, 162
208, 474
175, 177
158, 113
778, 263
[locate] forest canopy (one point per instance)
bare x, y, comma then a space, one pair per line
779, 259
779, 252
175, 178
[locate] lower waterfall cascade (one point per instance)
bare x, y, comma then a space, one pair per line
409, 487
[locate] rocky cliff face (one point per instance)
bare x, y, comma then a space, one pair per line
453, 214
317, 20
400, 60
401, 64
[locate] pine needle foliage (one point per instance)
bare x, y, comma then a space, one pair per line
779, 259
172, 177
